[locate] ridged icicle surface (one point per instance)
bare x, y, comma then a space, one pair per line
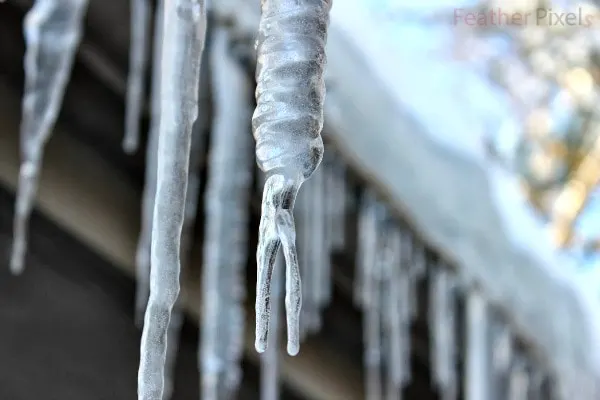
287, 127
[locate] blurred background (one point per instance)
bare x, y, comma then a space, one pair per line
472, 134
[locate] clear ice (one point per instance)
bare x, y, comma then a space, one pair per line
183, 39
226, 209
138, 61
287, 126
53, 30
142, 259
269, 361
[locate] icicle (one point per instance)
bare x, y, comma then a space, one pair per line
502, 349
302, 212
138, 58
319, 261
337, 202
227, 199
311, 245
414, 271
173, 335
287, 124
373, 318
53, 30
142, 257
396, 317
476, 358
189, 222
519, 381
329, 198
269, 366
367, 245
502, 355
536, 382
419, 257
323, 266
443, 325
184, 31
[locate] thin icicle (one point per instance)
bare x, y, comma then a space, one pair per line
310, 248
302, 213
338, 197
443, 325
53, 30
373, 317
142, 256
502, 355
476, 358
227, 199
189, 222
287, 127
269, 362
367, 247
138, 62
519, 381
319, 257
396, 316
415, 264
321, 210
184, 31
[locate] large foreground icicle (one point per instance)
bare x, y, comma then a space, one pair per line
287, 127
227, 199
184, 32
53, 30
138, 61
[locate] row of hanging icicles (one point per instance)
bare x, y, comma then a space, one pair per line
287, 124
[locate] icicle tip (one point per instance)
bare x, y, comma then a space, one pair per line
130, 145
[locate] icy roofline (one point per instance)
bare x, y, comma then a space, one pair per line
460, 205
450, 198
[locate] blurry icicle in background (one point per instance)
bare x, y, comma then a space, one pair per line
225, 242
142, 259
442, 325
138, 61
53, 30
183, 44
476, 349
384, 291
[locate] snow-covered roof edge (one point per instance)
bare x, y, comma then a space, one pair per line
447, 198
451, 202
